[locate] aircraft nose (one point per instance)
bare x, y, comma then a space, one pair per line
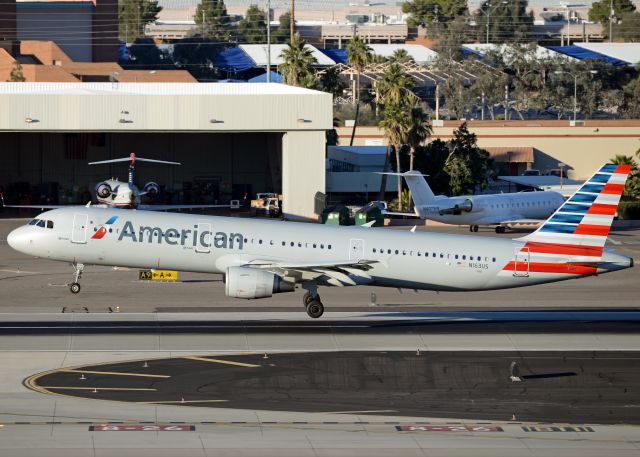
17, 239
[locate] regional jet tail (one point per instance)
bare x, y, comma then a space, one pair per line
499, 210
262, 258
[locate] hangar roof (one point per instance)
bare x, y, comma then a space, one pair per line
211, 107
154, 88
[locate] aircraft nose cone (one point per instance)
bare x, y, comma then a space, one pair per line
17, 239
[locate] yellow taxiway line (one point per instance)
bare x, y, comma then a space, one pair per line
99, 388
177, 402
115, 373
225, 362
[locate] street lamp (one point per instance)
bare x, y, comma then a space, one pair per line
489, 15
561, 166
575, 88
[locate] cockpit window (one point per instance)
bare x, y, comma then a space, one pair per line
41, 223
49, 224
34, 222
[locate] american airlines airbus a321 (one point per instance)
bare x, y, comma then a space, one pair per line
262, 258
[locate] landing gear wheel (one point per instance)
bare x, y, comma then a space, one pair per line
315, 309
74, 288
500, 229
306, 299
474, 228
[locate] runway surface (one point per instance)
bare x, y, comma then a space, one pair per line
572, 387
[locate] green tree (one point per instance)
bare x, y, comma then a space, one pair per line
631, 99
632, 186
396, 124
430, 160
197, 55
489, 83
419, 131
331, 82
434, 14
627, 27
212, 20
508, 21
298, 59
283, 32
145, 54
253, 26
358, 55
400, 56
601, 11
467, 165
16, 75
394, 86
133, 15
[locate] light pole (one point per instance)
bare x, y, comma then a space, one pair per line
268, 41
561, 166
575, 88
489, 16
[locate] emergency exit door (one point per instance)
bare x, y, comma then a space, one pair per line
356, 250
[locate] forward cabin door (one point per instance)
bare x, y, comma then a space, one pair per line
521, 262
203, 243
356, 250
79, 229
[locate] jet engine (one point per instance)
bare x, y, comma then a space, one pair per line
151, 189
456, 210
244, 282
103, 190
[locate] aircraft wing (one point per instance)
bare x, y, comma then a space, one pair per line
174, 207
391, 213
34, 206
532, 222
335, 273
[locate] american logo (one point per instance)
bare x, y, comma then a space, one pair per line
102, 231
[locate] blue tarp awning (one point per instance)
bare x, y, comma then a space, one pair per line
338, 55
234, 59
275, 78
582, 53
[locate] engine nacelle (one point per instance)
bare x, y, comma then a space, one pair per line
103, 190
458, 208
151, 189
243, 282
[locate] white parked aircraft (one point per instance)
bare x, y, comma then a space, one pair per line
260, 258
115, 193
501, 210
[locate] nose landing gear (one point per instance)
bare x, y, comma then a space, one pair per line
74, 287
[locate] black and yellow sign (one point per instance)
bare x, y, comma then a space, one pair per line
157, 275
558, 429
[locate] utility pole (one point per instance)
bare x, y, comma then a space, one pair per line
611, 15
139, 30
483, 105
506, 103
292, 28
268, 41
203, 22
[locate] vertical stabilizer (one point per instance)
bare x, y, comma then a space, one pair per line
421, 193
586, 217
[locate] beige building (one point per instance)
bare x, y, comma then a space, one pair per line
232, 139
583, 147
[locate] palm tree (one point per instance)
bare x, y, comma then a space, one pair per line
396, 124
632, 186
400, 56
358, 56
394, 86
298, 59
419, 131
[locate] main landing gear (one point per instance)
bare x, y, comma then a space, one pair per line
501, 229
74, 287
312, 302
473, 228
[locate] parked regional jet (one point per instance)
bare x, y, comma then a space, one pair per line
115, 193
501, 210
260, 258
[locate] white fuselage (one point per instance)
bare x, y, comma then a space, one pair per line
492, 209
141, 239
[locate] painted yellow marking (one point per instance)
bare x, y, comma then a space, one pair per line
225, 362
98, 388
116, 373
178, 402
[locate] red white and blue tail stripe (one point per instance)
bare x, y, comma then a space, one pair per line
585, 219
571, 241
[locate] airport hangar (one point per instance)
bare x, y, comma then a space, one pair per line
232, 139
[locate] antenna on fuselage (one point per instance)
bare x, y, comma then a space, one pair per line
132, 163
